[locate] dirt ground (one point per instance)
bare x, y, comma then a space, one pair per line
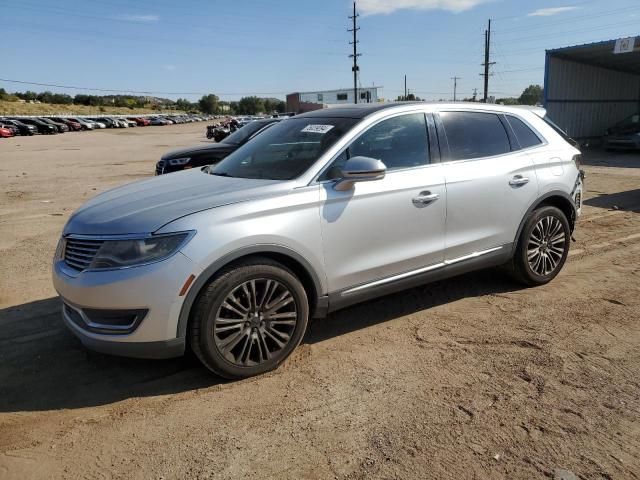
472, 377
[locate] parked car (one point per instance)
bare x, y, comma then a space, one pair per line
106, 121
7, 131
140, 121
321, 211
201, 155
158, 121
23, 128
624, 135
86, 124
43, 127
61, 127
73, 125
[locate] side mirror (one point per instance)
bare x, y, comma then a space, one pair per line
360, 169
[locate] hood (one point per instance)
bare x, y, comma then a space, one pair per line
199, 149
147, 205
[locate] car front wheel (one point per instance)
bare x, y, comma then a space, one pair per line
249, 319
543, 246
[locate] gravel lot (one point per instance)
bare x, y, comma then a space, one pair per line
472, 377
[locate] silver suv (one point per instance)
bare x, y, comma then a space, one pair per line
325, 210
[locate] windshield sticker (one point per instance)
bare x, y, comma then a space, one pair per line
321, 129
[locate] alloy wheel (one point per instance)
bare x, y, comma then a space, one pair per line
255, 322
546, 245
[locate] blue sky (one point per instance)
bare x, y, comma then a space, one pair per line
270, 48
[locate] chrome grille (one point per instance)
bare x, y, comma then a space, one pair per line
78, 253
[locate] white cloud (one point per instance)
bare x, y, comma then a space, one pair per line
374, 7
141, 18
548, 12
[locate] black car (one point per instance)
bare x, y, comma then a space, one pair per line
201, 155
22, 127
42, 127
61, 127
624, 135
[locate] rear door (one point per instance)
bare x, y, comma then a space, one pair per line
490, 181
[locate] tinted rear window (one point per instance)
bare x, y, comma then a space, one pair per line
526, 137
474, 135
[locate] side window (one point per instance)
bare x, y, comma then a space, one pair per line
400, 142
526, 137
474, 135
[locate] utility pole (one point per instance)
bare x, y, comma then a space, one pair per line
455, 87
405, 88
487, 63
355, 68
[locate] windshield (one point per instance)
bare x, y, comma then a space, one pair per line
240, 136
286, 150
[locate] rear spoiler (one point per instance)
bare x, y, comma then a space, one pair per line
539, 111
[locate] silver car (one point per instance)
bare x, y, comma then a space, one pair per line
325, 210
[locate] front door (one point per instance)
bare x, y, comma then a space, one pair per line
390, 226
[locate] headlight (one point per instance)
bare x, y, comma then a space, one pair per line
138, 251
59, 255
179, 161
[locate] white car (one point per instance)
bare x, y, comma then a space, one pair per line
320, 211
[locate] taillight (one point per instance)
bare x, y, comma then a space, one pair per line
577, 159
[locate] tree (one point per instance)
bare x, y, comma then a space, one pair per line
508, 101
251, 106
185, 105
209, 103
532, 95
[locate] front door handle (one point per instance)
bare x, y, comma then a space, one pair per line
518, 181
425, 198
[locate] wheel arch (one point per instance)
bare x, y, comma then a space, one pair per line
556, 198
318, 302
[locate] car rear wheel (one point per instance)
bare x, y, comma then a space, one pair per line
543, 246
249, 319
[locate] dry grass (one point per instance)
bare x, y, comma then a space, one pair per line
18, 108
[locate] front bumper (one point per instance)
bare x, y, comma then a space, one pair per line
152, 289
622, 143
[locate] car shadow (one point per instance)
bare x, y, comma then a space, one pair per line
44, 367
629, 201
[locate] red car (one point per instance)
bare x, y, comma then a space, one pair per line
142, 122
5, 131
73, 125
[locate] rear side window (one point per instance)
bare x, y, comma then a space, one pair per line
474, 135
526, 137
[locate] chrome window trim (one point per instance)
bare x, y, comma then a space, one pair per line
545, 143
313, 172
367, 126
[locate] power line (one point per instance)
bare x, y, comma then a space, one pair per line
141, 92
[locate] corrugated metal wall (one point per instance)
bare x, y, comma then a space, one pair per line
585, 100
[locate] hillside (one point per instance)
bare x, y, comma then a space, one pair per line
18, 108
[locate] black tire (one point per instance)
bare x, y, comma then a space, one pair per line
532, 273
205, 340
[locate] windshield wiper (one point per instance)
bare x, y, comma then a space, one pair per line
221, 174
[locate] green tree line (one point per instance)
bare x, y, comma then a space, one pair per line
210, 103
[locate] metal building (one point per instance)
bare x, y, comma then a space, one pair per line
300, 102
588, 88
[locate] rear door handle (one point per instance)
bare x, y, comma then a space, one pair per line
425, 198
518, 181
